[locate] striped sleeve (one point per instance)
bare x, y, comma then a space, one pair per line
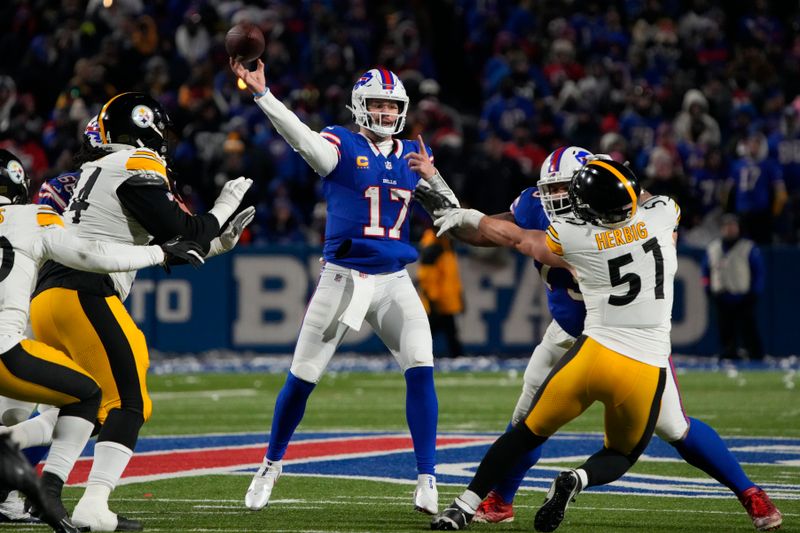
146, 162
552, 240
677, 214
334, 140
47, 216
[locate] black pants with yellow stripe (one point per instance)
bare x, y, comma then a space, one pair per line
34, 372
630, 391
98, 333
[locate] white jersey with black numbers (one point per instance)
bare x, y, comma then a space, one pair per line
95, 211
626, 277
32, 234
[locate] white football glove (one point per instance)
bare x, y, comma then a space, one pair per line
458, 218
229, 198
228, 238
438, 184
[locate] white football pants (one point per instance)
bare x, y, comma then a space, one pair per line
672, 423
393, 309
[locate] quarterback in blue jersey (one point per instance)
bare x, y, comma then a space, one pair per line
368, 178
694, 440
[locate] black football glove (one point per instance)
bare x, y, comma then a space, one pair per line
433, 202
178, 252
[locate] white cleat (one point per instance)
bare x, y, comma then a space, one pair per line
93, 514
260, 488
13, 509
426, 497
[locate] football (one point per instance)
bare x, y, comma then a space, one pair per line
244, 42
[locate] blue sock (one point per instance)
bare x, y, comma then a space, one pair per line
35, 454
703, 448
422, 413
508, 487
289, 409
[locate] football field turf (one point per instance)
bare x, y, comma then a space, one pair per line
353, 469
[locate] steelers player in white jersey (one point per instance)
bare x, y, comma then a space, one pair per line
122, 197
696, 442
624, 259
31, 370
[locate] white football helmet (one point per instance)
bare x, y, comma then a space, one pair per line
383, 84
92, 133
555, 175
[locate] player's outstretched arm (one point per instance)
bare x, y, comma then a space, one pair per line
438, 205
475, 237
97, 256
319, 153
230, 236
163, 217
530, 242
106, 257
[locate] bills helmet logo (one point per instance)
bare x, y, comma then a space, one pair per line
363, 80
92, 133
582, 156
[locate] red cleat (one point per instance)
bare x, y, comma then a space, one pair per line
762, 511
494, 510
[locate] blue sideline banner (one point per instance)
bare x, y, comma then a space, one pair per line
254, 299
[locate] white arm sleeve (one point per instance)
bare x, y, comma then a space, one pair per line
95, 256
319, 153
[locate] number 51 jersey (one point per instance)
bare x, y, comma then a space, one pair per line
626, 276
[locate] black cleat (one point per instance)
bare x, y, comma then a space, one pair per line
15, 471
50, 508
123, 524
565, 487
453, 518
126, 524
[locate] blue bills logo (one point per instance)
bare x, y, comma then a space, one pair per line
389, 456
582, 156
363, 80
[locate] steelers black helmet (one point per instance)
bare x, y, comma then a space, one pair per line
14, 182
134, 119
604, 192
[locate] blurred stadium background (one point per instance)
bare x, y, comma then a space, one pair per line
700, 96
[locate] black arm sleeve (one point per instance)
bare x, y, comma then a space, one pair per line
153, 207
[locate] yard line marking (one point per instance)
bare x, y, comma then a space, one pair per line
211, 394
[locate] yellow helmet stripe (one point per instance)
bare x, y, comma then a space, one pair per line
620, 177
100, 118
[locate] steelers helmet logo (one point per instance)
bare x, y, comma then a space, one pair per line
15, 171
142, 116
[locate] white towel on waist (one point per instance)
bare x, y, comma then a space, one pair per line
363, 289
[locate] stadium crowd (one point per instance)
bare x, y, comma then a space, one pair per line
700, 96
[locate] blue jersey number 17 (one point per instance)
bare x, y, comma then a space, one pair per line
374, 229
